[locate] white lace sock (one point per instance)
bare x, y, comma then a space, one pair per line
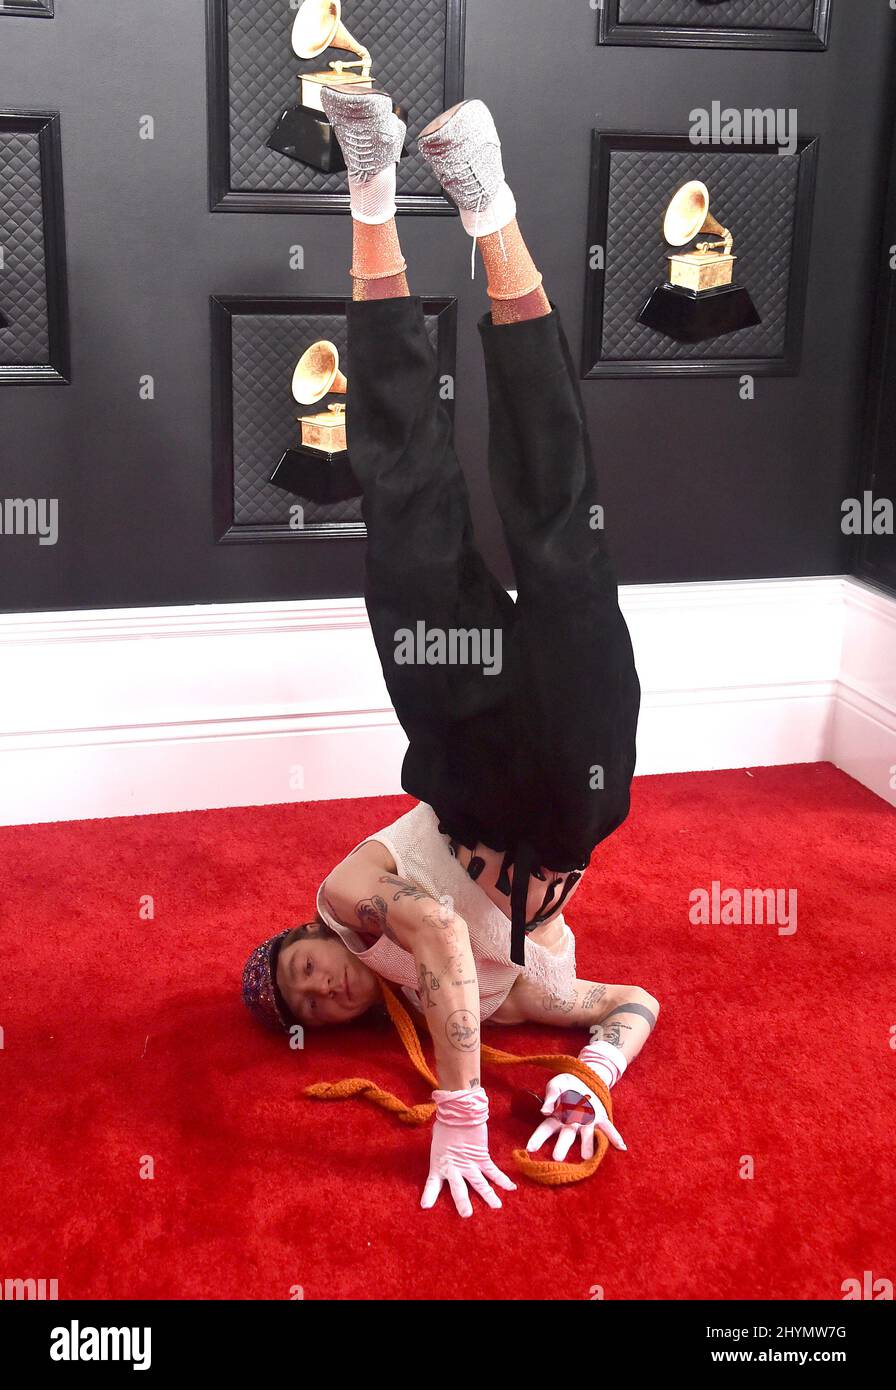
493, 217
373, 199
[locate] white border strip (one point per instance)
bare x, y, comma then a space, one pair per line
135, 711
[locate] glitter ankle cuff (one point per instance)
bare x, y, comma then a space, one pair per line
514, 293
380, 274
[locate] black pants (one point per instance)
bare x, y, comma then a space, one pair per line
536, 759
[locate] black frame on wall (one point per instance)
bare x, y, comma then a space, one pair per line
38, 9
223, 197
612, 31
46, 125
875, 556
603, 145
224, 308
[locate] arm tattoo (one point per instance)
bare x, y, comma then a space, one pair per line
453, 972
555, 1004
330, 906
429, 984
611, 1033
473, 1082
371, 913
405, 889
595, 993
462, 1030
634, 1009
434, 920
449, 932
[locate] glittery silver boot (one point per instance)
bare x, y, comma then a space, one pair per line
463, 149
370, 135
464, 152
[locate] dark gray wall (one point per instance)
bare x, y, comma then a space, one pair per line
698, 485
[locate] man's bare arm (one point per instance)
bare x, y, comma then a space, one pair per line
624, 1015
367, 893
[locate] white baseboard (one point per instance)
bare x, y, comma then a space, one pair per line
737, 674
863, 739
127, 712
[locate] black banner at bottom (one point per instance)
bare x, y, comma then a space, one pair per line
67, 1338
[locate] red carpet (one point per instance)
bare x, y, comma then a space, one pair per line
126, 1038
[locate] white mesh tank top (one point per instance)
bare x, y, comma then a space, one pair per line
424, 857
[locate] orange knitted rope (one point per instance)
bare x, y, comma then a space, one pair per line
368, 1090
543, 1171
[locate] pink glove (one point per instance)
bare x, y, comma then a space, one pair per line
459, 1153
609, 1063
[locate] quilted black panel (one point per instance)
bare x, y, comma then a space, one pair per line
44, 8
266, 348
407, 41
23, 282
735, 14
752, 194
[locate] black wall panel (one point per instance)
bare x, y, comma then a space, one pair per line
418, 57
875, 555
790, 24
33, 299
28, 9
256, 344
697, 483
768, 203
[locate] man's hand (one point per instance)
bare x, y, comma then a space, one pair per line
566, 1133
459, 1153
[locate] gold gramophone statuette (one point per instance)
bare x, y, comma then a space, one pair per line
699, 300
316, 375
711, 263
318, 26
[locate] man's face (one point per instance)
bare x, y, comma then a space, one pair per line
322, 982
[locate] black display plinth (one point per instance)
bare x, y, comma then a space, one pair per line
690, 316
316, 476
307, 136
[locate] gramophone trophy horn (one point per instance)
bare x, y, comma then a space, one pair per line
688, 215
317, 375
300, 470
698, 300
318, 26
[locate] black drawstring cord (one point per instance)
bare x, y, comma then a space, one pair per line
475, 867
548, 898
545, 912
524, 863
503, 880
